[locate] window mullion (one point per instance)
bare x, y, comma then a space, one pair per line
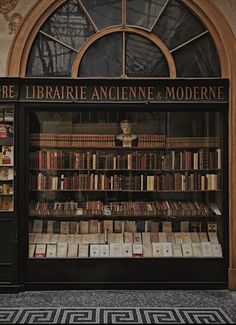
158, 17
189, 41
94, 26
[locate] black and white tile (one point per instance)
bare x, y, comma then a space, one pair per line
114, 315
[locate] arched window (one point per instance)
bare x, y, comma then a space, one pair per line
123, 39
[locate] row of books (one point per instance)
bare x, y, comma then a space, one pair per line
59, 159
154, 250
91, 181
126, 237
123, 208
118, 226
108, 140
72, 140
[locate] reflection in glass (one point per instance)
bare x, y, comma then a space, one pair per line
143, 13
49, 59
143, 58
198, 59
177, 25
103, 58
104, 13
69, 25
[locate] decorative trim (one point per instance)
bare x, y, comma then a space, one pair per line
6, 6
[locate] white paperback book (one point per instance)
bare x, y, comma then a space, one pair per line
206, 249
31, 250
94, 250
137, 238
83, 250
127, 250
216, 250
40, 250
51, 251
61, 250
115, 250
72, 250
157, 249
187, 250
167, 250
197, 249
137, 250
147, 250
177, 250
104, 250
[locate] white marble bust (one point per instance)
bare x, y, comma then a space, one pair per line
126, 137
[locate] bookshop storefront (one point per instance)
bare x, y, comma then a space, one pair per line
116, 137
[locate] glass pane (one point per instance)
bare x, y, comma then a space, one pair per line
147, 184
198, 59
177, 25
49, 59
104, 13
103, 58
69, 25
143, 13
143, 58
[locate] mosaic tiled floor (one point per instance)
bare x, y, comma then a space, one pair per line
113, 315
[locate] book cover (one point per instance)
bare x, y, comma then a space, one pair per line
197, 249
84, 227
116, 250
127, 250
61, 250
137, 238
217, 250
51, 251
146, 238
162, 237
104, 250
31, 250
94, 250
7, 156
167, 249
213, 237
177, 250
137, 250
40, 250
128, 237
37, 226
187, 250
157, 249
83, 250
206, 249
147, 250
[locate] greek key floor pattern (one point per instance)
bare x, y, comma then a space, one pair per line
110, 315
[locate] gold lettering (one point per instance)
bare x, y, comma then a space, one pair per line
48, 92
124, 93
69, 92
220, 92
170, 93
204, 93
180, 93
196, 93
141, 92
103, 92
56, 94
150, 93
95, 94
111, 93
133, 93
212, 93
83, 92
27, 93
40, 92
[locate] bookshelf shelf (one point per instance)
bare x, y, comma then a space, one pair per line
141, 191
127, 170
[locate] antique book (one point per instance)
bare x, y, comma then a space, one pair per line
116, 250
54, 238
146, 238
195, 237
213, 237
206, 249
31, 237
86, 239
78, 238
38, 238
50, 227
167, 249
51, 251
37, 226
216, 250
84, 227
147, 250
118, 226
130, 226
203, 237
197, 249
127, 250
31, 250
73, 227
162, 237
101, 238
212, 227
83, 250
46, 238
177, 250
61, 250
104, 250
170, 237
93, 226
94, 250
184, 226
108, 225
157, 249
111, 237
128, 237
62, 238
154, 226
93, 238
186, 238
119, 238
154, 236
72, 250
64, 227
70, 238
40, 250
137, 250
137, 238
187, 250
166, 226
